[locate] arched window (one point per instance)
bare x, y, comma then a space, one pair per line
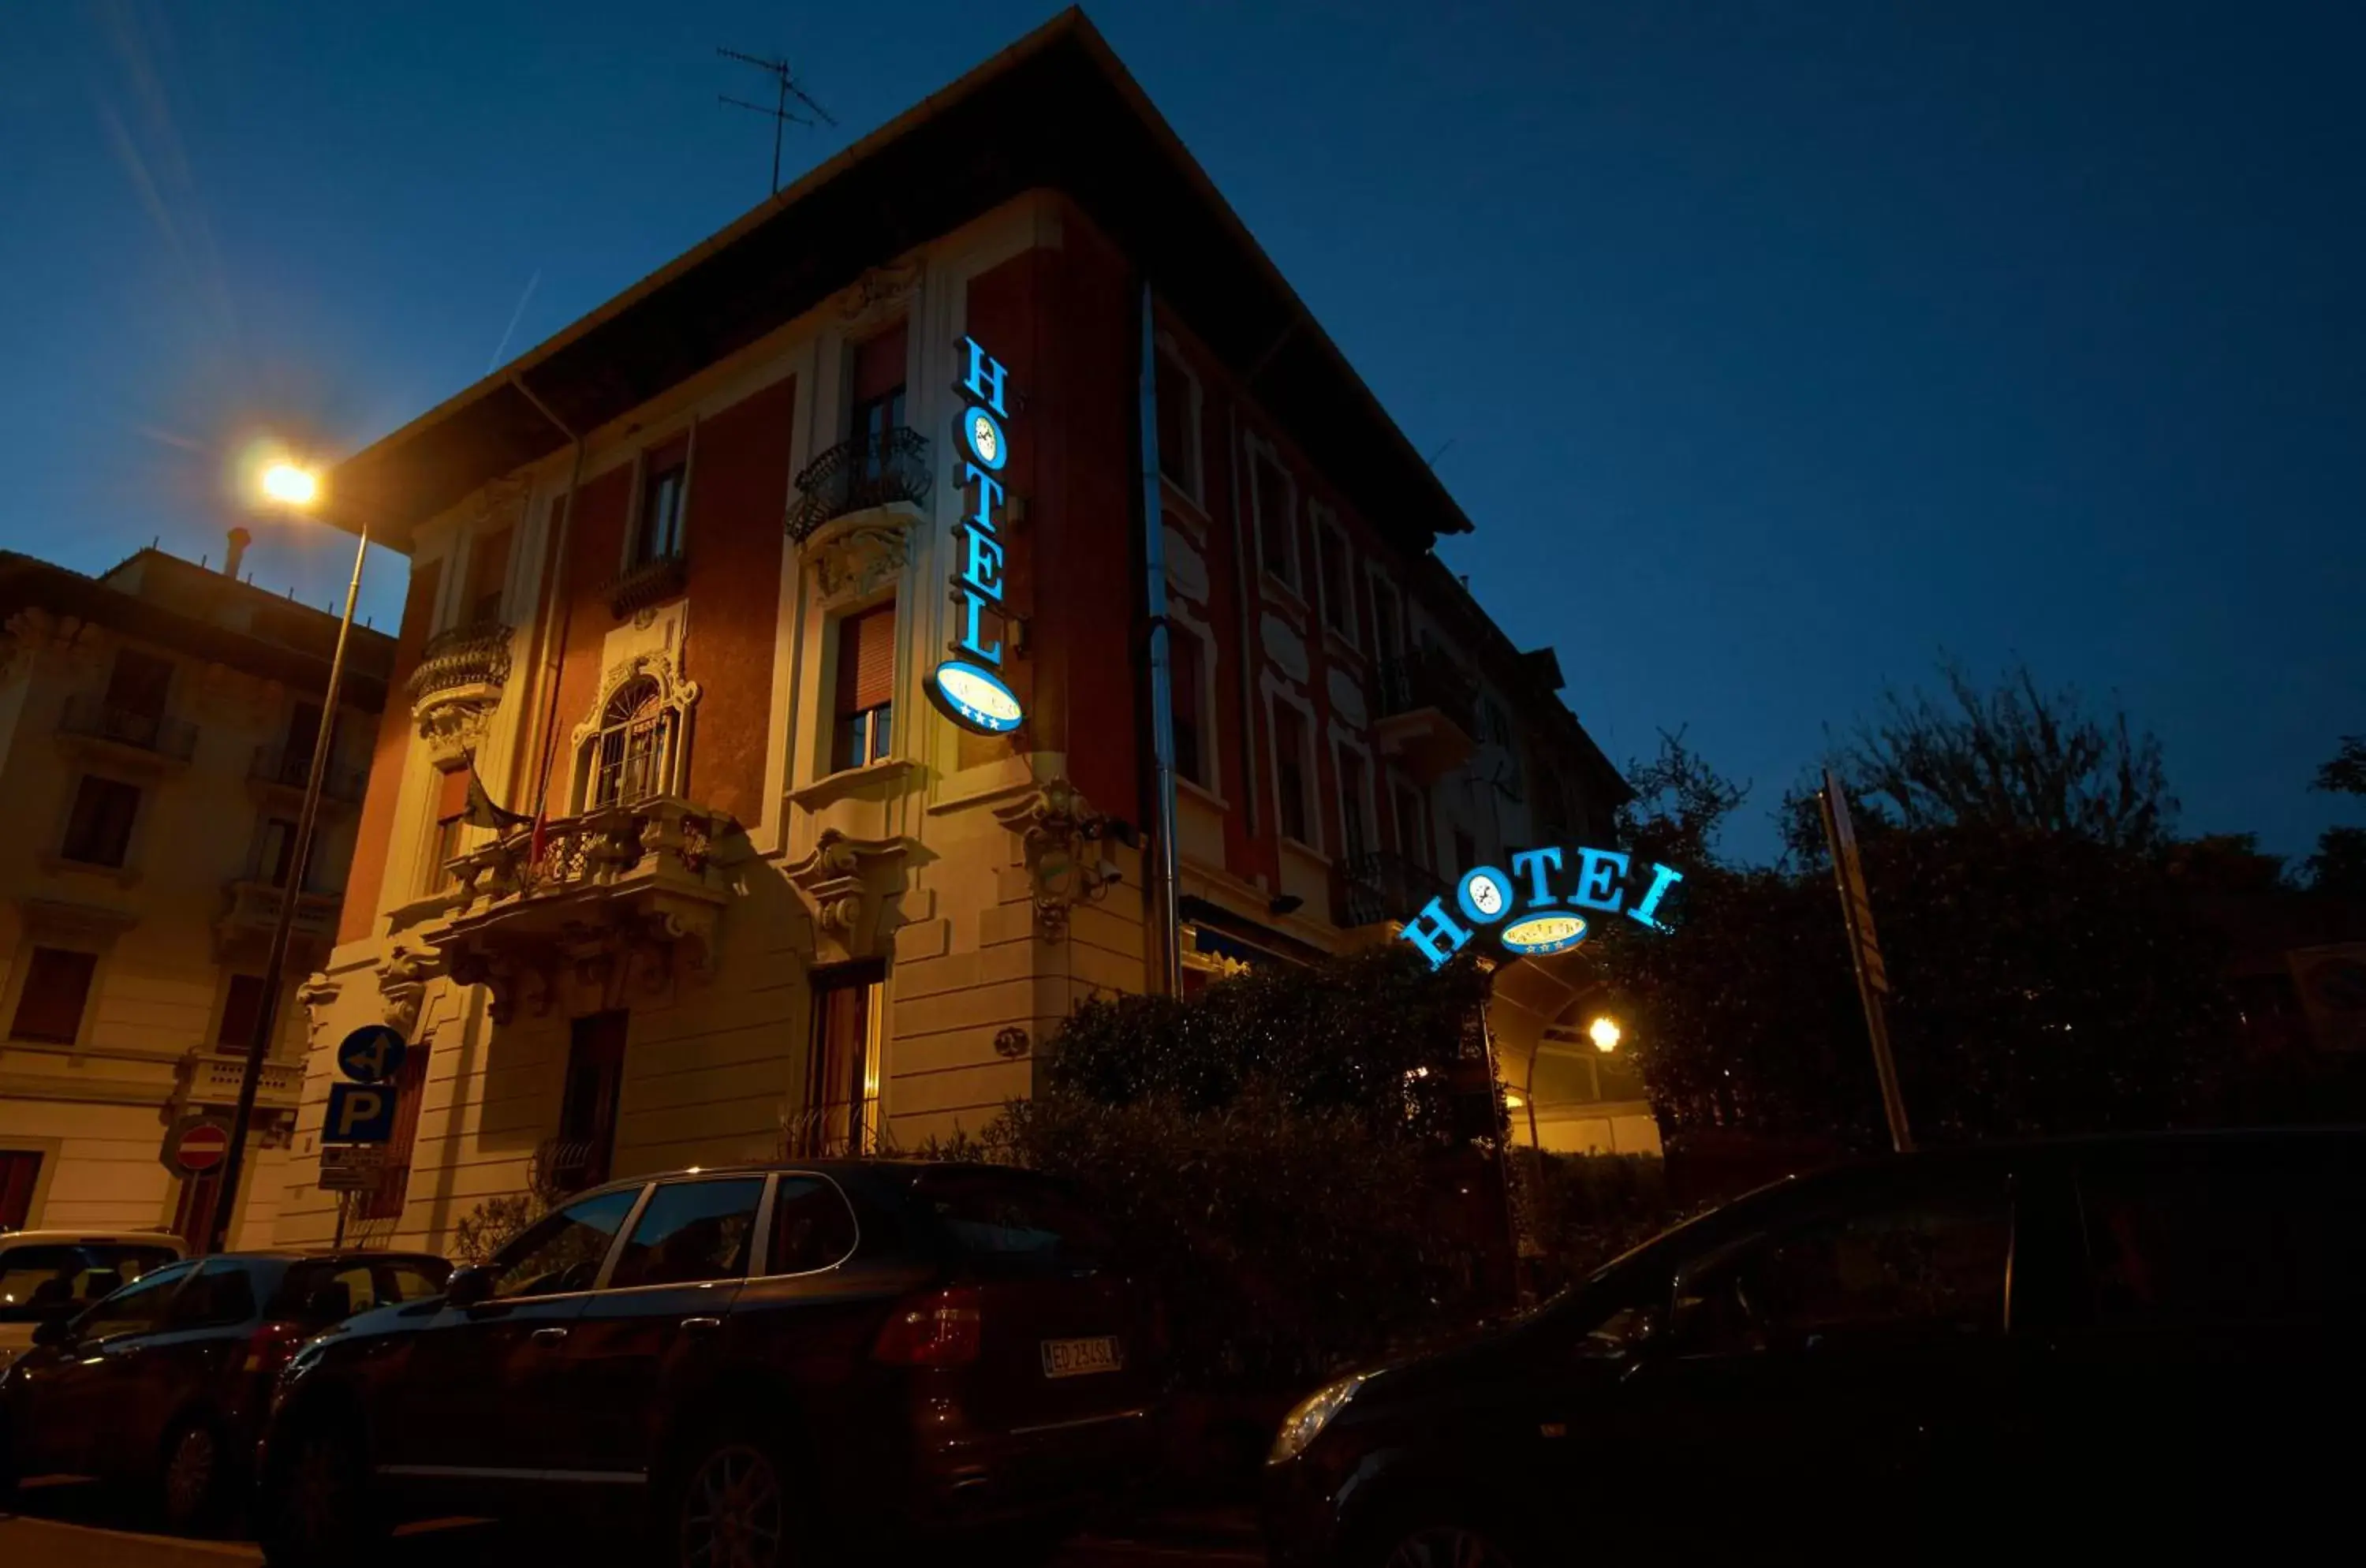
632, 757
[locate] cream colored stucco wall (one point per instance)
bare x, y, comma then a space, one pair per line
97, 1110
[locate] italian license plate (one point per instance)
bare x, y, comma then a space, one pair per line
1079, 1357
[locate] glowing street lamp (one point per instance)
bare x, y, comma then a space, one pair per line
285, 484
1604, 1033
290, 485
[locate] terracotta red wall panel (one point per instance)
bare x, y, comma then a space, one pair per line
739, 482
594, 546
1063, 321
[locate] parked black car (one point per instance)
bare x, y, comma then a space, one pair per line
165, 1382
746, 1366
2108, 1342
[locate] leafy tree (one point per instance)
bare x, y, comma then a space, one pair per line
2339, 866
2346, 773
1281, 1154
2012, 758
2048, 974
1679, 806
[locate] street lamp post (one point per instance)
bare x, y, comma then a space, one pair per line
296, 487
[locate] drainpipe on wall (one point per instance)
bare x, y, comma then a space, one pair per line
555, 635
1162, 685
1246, 574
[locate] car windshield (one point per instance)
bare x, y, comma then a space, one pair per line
46, 1279
1010, 1220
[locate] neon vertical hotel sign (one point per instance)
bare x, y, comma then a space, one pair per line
969, 686
1547, 922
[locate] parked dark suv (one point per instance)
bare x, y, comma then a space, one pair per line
743, 1366
2111, 1345
165, 1382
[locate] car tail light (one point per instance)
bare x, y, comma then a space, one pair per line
273, 1346
938, 1329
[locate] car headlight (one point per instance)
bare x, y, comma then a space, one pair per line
1309, 1417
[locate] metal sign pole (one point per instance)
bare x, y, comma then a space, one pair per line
1864, 952
216, 1233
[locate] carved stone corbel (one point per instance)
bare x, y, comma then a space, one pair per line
1059, 835
862, 553
855, 888
453, 730
877, 288
402, 985
316, 994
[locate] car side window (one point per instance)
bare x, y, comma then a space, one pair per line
2251, 1238
811, 1227
689, 1232
561, 1252
408, 1282
222, 1296
136, 1308
1879, 1269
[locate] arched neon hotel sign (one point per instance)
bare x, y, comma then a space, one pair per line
1545, 921
969, 685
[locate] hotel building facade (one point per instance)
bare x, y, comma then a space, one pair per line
750, 873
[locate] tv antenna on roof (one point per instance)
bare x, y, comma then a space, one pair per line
784, 88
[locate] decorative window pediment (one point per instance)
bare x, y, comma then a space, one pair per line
631, 747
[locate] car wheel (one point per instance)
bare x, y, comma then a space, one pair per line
317, 1510
1448, 1546
196, 1476
731, 1507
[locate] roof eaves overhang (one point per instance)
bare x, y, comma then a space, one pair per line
1055, 110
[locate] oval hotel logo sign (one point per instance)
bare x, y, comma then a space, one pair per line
975, 697
1538, 919
969, 686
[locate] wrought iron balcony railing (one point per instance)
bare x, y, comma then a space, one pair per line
859, 474
1368, 888
474, 655
563, 1166
651, 581
292, 769
604, 846
254, 905
1428, 678
95, 719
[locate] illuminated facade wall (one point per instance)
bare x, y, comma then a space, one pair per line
784, 902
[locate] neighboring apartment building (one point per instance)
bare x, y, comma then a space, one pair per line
686, 580
156, 729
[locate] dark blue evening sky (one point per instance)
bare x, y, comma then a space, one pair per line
1779, 348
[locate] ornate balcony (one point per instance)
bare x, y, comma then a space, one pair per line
1428, 713
650, 582
470, 661
210, 1079
461, 672
244, 928
152, 739
861, 474
620, 894
1369, 888
279, 768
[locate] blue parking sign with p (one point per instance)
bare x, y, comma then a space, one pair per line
371, 1054
359, 1113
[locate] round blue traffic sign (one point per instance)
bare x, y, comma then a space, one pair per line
371, 1054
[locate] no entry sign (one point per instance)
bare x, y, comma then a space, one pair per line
195, 1145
